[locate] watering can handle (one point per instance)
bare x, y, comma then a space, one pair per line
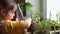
20, 11
22, 16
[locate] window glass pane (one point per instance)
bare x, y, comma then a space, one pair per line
53, 6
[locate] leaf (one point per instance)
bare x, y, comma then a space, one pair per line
28, 5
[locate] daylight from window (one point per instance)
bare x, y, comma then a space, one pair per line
53, 6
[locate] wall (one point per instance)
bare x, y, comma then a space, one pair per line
37, 6
44, 11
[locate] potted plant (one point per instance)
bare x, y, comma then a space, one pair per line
58, 19
44, 26
40, 27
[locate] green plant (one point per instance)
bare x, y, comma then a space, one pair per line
41, 27
52, 23
44, 26
26, 5
58, 16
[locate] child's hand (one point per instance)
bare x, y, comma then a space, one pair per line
28, 22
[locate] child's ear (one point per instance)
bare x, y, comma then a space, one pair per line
2, 12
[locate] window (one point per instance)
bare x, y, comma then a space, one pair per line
53, 6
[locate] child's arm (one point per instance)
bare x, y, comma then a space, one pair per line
16, 26
12, 26
27, 22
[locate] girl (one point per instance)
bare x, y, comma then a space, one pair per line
7, 12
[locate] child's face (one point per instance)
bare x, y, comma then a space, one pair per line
11, 14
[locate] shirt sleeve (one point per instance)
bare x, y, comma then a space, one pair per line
19, 24
14, 26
